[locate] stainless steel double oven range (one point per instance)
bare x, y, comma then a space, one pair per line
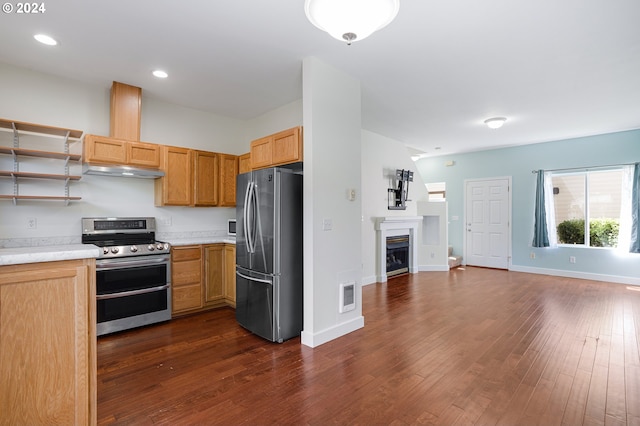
133, 272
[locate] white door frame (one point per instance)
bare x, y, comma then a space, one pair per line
464, 215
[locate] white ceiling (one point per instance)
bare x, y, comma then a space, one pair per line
556, 68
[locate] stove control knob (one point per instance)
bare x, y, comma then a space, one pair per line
159, 246
105, 250
151, 247
166, 246
115, 250
134, 249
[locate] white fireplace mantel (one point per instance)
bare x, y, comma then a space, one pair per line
391, 226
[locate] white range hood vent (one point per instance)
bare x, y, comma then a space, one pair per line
121, 171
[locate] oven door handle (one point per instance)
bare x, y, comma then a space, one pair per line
142, 262
132, 292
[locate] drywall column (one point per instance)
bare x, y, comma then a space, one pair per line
332, 219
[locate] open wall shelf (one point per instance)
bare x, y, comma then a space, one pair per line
17, 152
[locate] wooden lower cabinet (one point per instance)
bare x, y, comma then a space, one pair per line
230, 274
48, 343
214, 274
203, 277
186, 279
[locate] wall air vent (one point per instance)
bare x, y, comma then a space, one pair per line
347, 297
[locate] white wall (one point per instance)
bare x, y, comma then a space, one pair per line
381, 156
332, 152
45, 99
433, 254
285, 117
169, 124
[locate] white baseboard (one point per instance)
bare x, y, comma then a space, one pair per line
575, 274
316, 339
369, 280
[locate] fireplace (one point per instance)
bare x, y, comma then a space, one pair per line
397, 255
395, 226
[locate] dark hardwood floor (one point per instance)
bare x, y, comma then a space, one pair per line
472, 346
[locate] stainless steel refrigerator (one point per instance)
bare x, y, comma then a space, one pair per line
269, 253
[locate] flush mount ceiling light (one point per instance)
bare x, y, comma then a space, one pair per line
160, 74
495, 122
45, 39
351, 20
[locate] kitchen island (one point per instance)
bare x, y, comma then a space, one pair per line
47, 335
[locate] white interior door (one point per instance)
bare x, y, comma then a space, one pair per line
487, 221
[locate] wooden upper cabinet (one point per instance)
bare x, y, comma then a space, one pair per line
143, 154
105, 150
280, 148
244, 163
286, 147
101, 149
205, 179
175, 188
228, 173
196, 178
126, 104
261, 150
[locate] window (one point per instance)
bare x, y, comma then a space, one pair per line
436, 191
588, 204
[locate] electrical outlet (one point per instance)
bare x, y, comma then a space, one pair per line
572, 259
327, 224
32, 223
532, 255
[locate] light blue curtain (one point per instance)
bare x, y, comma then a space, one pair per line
635, 211
540, 234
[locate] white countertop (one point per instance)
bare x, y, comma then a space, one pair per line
188, 241
52, 253
20, 255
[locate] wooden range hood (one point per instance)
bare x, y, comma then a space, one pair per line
124, 128
126, 104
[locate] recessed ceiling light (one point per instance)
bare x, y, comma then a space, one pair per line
160, 74
45, 39
495, 122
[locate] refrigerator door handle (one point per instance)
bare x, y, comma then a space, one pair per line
244, 214
246, 277
251, 215
245, 217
